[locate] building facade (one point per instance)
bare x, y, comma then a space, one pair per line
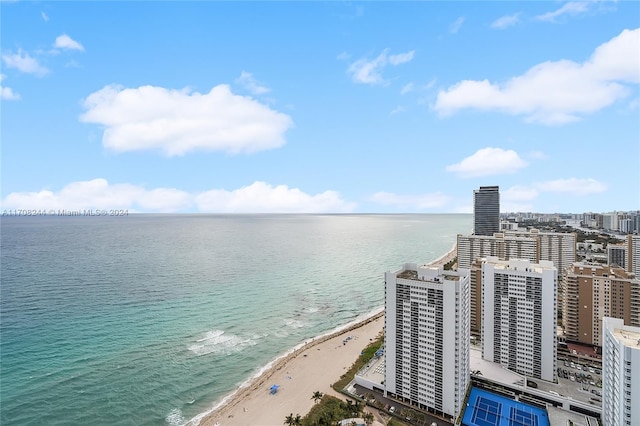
617, 255
519, 316
633, 254
486, 210
593, 292
427, 337
501, 245
620, 373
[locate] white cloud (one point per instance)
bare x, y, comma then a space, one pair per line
506, 21
555, 92
45, 17
251, 84
401, 58
519, 193
520, 197
570, 8
6, 93
398, 109
456, 25
370, 71
406, 88
99, 194
261, 197
418, 202
488, 162
24, 63
258, 197
179, 121
343, 56
65, 42
573, 186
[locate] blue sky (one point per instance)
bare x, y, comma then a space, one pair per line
320, 106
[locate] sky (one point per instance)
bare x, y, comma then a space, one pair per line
320, 107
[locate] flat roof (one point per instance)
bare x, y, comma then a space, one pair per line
486, 408
627, 337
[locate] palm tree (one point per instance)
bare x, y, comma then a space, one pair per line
289, 420
368, 418
317, 396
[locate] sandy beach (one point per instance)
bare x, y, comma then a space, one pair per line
314, 367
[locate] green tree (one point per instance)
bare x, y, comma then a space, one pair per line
368, 418
289, 420
317, 396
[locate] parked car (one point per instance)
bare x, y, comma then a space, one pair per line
532, 384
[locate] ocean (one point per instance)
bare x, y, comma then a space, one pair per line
154, 319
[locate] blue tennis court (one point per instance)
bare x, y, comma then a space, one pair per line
489, 409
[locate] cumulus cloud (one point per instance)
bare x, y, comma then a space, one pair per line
258, 197
6, 93
418, 202
23, 62
555, 92
247, 81
570, 8
488, 162
261, 197
179, 121
456, 25
65, 42
506, 21
99, 194
370, 71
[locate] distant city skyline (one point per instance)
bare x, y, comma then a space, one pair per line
309, 107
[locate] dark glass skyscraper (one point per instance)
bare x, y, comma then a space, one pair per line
486, 210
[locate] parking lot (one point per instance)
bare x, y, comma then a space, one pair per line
576, 382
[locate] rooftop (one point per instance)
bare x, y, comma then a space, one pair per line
627, 337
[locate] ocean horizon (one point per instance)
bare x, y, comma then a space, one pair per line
152, 319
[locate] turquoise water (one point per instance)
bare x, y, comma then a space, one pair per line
153, 319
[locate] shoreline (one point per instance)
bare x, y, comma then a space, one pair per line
220, 411
253, 392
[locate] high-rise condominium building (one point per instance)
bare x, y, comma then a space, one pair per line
617, 255
620, 374
427, 337
558, 247
501, 245
532, 245
486, 210
519, 316
593, 292
633, 254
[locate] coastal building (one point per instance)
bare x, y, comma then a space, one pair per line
486, 210
501, 245
558, 247
593, 292
620, 373
633, 254
519, 316
533, 245
427, 337
617, 255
